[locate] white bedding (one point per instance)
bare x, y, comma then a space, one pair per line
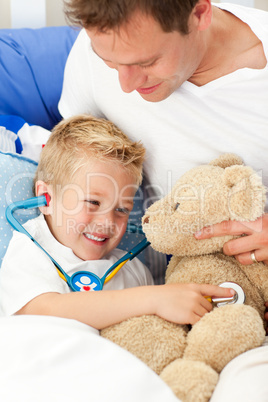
244, 379
50, 359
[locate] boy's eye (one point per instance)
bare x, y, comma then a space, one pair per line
177, 206
123, 210
93, 202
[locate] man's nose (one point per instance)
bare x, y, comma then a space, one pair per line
131, 77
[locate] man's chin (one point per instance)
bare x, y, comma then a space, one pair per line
154, 97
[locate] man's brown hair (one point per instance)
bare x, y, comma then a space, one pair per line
104, 15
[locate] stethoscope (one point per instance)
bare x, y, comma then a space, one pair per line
81, 280
88, 281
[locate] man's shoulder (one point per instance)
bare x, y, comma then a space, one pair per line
246, 14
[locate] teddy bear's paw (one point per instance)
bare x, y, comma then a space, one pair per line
153, 340
223, 334
191, 381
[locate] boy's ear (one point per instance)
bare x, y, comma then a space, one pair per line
42, 188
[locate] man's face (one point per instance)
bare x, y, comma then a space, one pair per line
148, 60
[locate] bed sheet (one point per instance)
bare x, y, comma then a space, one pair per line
244, 379
50, 359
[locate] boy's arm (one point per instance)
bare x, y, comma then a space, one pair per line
179, 303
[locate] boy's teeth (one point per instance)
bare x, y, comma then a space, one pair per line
89, 236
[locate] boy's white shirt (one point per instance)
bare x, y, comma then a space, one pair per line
27, 272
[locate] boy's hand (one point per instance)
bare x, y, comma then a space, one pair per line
186, 303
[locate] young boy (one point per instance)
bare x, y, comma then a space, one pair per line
90, 171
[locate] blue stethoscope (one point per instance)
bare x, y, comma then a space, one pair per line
81, 280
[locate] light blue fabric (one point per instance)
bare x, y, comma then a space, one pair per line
16, 182
7, 140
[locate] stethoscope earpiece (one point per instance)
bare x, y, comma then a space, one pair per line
48, 198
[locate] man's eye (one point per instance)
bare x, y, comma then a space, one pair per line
144, 66
147, 66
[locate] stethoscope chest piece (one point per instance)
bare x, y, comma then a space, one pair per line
84, 281
238, 298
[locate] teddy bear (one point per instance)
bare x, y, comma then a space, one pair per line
190, 359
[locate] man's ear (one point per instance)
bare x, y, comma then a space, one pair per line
42, 188
202, 13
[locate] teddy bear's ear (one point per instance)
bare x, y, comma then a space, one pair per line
227, 160
246, 196
235, 174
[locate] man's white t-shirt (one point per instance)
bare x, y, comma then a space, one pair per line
27, 272
192, 126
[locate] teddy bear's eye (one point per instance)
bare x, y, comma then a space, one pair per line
177, 206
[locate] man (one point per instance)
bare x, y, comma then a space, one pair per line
205, 77
189, 79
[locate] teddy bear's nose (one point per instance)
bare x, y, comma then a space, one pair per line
146, 219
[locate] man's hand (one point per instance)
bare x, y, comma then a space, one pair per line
254, 239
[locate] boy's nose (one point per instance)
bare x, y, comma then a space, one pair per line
105, 220
130, 77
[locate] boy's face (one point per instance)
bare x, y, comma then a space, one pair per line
90, 216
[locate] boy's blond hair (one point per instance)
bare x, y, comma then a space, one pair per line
75, 141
